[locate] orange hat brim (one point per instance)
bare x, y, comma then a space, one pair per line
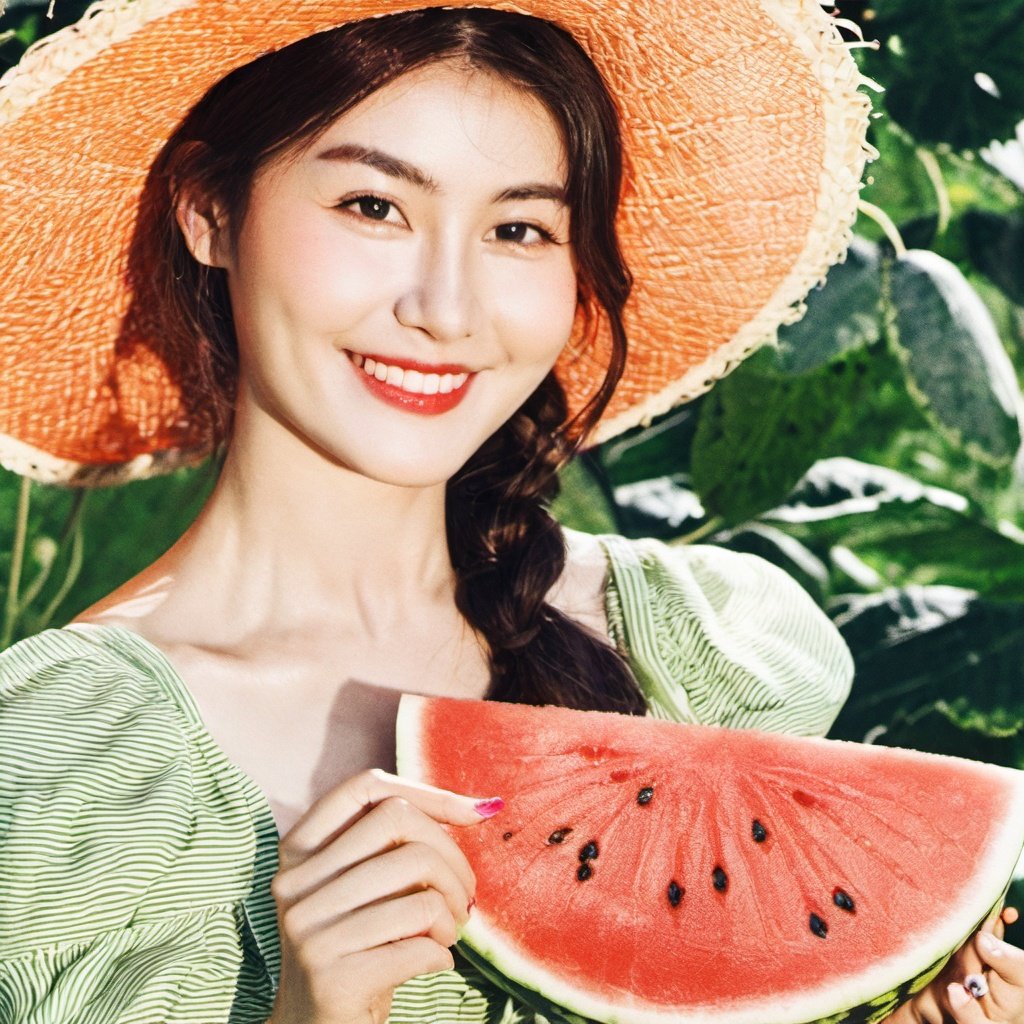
744, 137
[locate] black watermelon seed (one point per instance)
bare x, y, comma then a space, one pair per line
675, 893
818, 926
645, 794
589, 852
558, 835
584, 871
720, 879
507, 836
842, 900
760, 833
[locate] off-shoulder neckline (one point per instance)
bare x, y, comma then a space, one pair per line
170, 680
174, 685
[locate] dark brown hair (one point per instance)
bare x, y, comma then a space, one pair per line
506, 549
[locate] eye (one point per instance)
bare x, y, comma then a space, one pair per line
372, 208
521, 233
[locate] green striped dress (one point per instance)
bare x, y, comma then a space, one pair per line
136, 859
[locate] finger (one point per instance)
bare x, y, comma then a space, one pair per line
1010, 915
397, 962
923, 1008
965, 1009
390, 824
411, 868
1006, 963
349, 801
966, 960
405, 917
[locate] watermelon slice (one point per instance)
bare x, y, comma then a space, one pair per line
646, 872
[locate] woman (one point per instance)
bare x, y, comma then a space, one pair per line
383, 266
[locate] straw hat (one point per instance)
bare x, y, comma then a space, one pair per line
744, 131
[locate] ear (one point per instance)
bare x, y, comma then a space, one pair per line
204, 226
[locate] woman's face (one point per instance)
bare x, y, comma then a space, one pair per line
403, 285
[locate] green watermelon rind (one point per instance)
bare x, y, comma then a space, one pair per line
834, 1001
870, 1012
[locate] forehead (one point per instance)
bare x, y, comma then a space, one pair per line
451, 120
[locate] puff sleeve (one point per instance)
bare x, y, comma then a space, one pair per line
722, 638
125, 859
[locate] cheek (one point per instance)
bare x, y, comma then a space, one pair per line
539, 309
294, 273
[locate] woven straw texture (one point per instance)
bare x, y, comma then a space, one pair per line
744, 136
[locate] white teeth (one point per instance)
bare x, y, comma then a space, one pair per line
413, 381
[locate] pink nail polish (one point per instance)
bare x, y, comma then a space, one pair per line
488, 808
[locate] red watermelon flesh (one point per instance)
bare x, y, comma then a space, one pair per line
735, 876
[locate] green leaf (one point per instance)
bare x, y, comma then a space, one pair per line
956, 364
783, 550
29, 21
582, 503
664, 507
759, 431
840, 486
937, 668
931, 58
901, 183
125, 529
1015, 898
1008, 157
995, 245
842, 315
908, 533
958, 729
661, 449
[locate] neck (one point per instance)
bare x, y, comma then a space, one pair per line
291, 538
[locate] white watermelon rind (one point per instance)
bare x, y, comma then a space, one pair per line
977, 896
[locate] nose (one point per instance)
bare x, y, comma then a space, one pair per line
441, 299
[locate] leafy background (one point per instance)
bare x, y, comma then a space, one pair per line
875, 454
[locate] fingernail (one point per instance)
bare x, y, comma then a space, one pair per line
1010, 915
976, 985
471, 904
488, 808
990, 944
959, 997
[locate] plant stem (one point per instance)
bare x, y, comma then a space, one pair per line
74, 568
17, 558
32, 591
885, 222
931, 165
702, 531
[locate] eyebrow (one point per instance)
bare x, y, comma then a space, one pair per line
555, 193
394, 167
350, 152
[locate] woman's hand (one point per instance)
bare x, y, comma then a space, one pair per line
955, 995
371, 892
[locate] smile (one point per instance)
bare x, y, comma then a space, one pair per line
415, 382
413, 387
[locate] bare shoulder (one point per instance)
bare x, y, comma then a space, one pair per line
134, 604
580, 590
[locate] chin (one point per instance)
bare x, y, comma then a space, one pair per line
406, 466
